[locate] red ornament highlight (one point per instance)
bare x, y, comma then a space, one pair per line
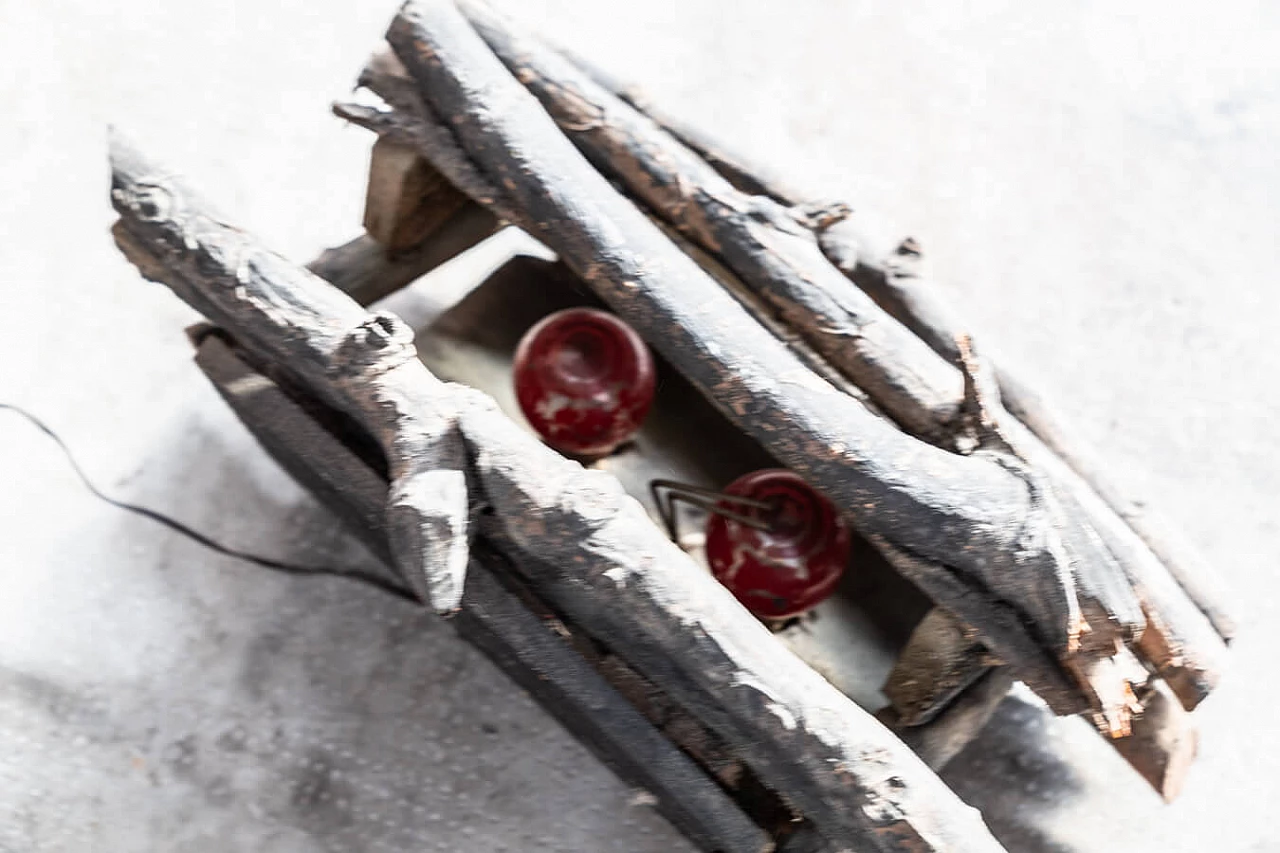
791, 558
584, 380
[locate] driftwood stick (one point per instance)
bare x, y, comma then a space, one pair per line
1198, 579
777, 253
387, 78
750, 177
840, 446
889, 276
1100, 668
598, 557
773, 250
894, 280
332, 344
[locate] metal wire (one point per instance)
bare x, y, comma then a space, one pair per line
368, 578
705, 499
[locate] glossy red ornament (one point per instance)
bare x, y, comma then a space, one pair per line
792, 559
584, 380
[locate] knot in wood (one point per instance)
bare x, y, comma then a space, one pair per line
375, 345
823, 215
151, 202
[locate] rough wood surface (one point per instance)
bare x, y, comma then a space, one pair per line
450, 454
943, 737
774, 249
891, 276
1163, 743
406, 199
978, 511
412, 120
940, 660
367, 272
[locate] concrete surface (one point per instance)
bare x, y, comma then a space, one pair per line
1099, 180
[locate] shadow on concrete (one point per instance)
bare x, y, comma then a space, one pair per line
1014, 775
299, 713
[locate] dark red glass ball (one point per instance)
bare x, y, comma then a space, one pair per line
792, 565
584, 380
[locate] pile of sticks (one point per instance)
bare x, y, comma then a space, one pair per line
839, 361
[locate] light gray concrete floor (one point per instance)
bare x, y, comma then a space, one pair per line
1096, 181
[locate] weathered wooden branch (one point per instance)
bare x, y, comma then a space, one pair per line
387, 78
334, 346
451, 457
775, 249
890, 275
1100, 671
772, 249
821, 433
750, 177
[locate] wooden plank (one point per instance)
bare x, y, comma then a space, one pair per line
367, 272
944, 736
1163, 743
406, 199
941, 659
